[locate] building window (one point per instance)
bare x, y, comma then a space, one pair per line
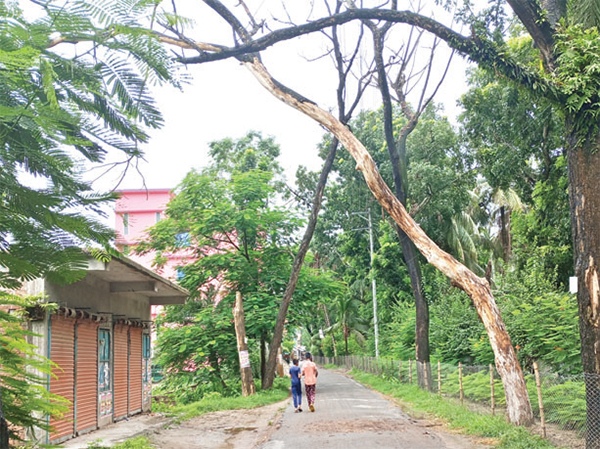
179, 274
158, 217
104, 360
126, 250
126, 223
182, 240
146, 357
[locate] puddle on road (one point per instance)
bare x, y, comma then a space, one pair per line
236, 430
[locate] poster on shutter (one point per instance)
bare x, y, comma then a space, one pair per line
105, 403
244, 359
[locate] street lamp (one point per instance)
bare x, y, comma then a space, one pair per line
372, 273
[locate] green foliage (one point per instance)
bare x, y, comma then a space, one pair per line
238, 241
415, 399
198, 350
215, 402
578, 75
59, 116
133, 443
26, 401
565, 404
397, 336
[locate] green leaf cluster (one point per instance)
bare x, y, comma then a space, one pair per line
237, 239
578, 75
24, 375
61, 113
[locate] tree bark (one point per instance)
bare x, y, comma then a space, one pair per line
397, 153
4, 433
584, 182
517, 401
248, 387
263, 356
297, 265
328, 324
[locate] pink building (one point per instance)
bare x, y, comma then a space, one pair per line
135, 212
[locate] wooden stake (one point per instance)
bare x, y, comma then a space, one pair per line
248, 387
538, 384
492, 389
460, 385
439, 378
409, 371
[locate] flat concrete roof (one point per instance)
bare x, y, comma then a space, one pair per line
124, 275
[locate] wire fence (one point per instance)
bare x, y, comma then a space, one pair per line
559, 402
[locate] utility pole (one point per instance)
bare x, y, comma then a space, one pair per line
372, 273
374, 286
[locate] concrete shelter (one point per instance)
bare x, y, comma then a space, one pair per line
100, 338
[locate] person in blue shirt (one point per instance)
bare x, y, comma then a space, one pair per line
296, 375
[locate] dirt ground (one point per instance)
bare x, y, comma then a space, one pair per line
231, 429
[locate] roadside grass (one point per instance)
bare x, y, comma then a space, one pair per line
215, 402
414, 400
133, 443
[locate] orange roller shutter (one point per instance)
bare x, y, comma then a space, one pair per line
121, 367
135, 370
62, 352
86, 392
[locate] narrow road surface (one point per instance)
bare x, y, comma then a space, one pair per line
349, 415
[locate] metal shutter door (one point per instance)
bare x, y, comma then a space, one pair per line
121, 364
135, 370
62, 352
86, 376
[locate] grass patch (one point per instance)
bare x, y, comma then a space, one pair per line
459, 417
133, 443
215, 402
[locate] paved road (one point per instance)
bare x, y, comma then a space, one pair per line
348, 415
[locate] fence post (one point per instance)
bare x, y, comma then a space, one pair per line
425, 366
538, 384
492, 389
400, 371
460, 385
409, 371
439, 378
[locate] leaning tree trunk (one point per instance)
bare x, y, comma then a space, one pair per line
296, 266
584, 187
517, 400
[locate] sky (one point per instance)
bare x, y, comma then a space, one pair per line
224, 100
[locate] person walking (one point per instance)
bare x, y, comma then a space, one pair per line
310, 373
296, 375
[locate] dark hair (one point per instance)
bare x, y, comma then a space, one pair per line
308, 356
295, 361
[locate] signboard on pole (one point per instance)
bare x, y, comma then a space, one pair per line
244, 359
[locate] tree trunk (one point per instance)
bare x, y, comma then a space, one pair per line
297, 265
584, 185
328, 324
248, 387
346, 339
263, 356
505, 232
517, 400
4, 434
399, 162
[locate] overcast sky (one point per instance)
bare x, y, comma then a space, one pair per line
224, 100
